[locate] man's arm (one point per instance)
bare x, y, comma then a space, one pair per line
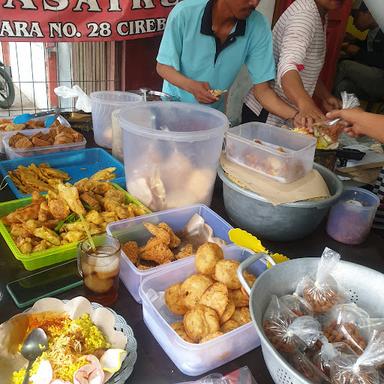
200, 90
328, 101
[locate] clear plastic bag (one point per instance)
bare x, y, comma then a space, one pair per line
346, 323
322, 292
363, 369
309, 370
83, 102
297, 305
286, 331
240, 376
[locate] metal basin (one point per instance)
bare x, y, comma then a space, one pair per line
284, 222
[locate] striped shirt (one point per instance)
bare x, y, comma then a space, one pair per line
299, 44
379, 191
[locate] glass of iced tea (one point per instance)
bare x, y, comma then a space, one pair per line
100, 268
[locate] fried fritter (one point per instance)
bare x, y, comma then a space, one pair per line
131, 250
216, 297
71, 196
211, 336
229, 326
226, 273
104, 175
160, 254
94, 217
160, 233
174, 240
178, 327
207, 255
47, 234
239, 297
172, 297
58, 208
200, 321
89, 198
228, 312
241, 315
184, 251
193, 288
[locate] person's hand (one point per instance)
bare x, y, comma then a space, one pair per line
308, 114
352, 119
330, 103
352, 49
200, 90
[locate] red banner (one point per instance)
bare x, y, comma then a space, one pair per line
82, 20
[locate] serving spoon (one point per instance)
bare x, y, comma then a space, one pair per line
34, 345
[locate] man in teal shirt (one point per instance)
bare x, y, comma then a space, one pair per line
205, 45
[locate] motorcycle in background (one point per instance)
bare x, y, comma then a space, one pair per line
7, 90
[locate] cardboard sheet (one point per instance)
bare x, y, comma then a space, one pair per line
311, 186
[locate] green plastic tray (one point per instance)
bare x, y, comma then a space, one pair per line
36, 260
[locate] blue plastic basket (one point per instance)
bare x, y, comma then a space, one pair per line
78, 164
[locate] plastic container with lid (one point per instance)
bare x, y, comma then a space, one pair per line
103, 104
350, 220
275, 152
133, 229
15, 153
194, 359
171, 152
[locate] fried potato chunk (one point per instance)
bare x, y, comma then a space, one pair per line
201, 321
241, 315
239, 297
211, 336
226, 273
131, 250
173, 300
178, 327
207, 256
216, 297
228, 312
229, 326
193, 288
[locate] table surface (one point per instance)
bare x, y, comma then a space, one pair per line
153, 365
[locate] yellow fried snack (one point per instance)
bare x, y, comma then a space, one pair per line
192, 289
174, 240
249, 278
211, 336
229, 326
216, 297
228, 312
239, 297
178, 327
131, 250
160, 233
207, 255
185, 251
47, 234
159, 253
200, 321
226, 273
241, 315
173, 300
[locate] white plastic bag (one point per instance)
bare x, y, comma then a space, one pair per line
349, 100
83, 102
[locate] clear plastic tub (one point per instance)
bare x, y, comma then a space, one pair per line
350, 220
103, 104
171, 152
275, 152
193, 359
13, 153
133, 229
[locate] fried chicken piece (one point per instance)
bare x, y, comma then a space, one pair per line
47, 234
185, 251
71, 197
160, 233
104, 174
58, 208
88, 198
174, 240
94, 217
160, 254
131, 250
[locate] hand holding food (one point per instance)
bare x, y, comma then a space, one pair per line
201, 91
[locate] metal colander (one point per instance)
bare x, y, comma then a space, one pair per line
362, 286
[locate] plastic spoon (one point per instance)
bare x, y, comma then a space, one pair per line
34, 345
